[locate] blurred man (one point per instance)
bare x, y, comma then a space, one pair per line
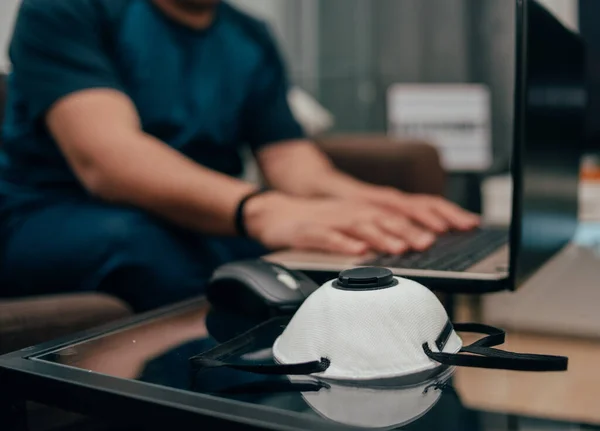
124, 122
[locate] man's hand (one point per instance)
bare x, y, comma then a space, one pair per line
432, 212
339, 226
301, 169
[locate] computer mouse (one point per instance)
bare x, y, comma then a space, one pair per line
259, 289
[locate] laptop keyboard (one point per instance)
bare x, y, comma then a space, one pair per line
456, 251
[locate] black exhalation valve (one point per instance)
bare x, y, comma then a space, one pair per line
368, 278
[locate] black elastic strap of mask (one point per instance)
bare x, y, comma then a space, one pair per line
482, 355
495, 336
218, 356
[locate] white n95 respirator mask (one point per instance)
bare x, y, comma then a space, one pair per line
368, 325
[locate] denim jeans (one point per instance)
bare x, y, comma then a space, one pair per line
92, 246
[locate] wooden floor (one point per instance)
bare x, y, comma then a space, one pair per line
572, 396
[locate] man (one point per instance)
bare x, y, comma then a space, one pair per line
123, 127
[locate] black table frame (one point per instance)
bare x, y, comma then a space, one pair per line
23, 378
133, 402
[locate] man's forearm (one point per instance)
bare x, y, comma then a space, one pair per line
100, 134
153, 176
300, 168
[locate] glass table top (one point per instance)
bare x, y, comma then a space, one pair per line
157, 351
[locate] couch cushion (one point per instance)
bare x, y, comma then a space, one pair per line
412, 166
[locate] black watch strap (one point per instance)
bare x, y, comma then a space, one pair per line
240, 222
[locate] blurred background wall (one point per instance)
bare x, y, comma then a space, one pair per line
346, 53
350, 51
8, 9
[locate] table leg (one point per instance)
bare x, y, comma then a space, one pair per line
476, 308
448, 300
512, 423
13, 413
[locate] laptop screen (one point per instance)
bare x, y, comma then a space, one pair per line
550, 107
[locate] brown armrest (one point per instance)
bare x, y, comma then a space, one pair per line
29, 321
412, 166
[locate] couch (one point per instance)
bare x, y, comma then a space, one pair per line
410, 166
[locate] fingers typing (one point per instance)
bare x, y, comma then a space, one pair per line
413, 236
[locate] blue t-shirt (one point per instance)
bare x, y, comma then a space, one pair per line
205, 93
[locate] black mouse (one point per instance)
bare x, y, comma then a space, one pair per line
259, 289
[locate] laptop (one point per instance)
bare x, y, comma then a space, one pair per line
549, 114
